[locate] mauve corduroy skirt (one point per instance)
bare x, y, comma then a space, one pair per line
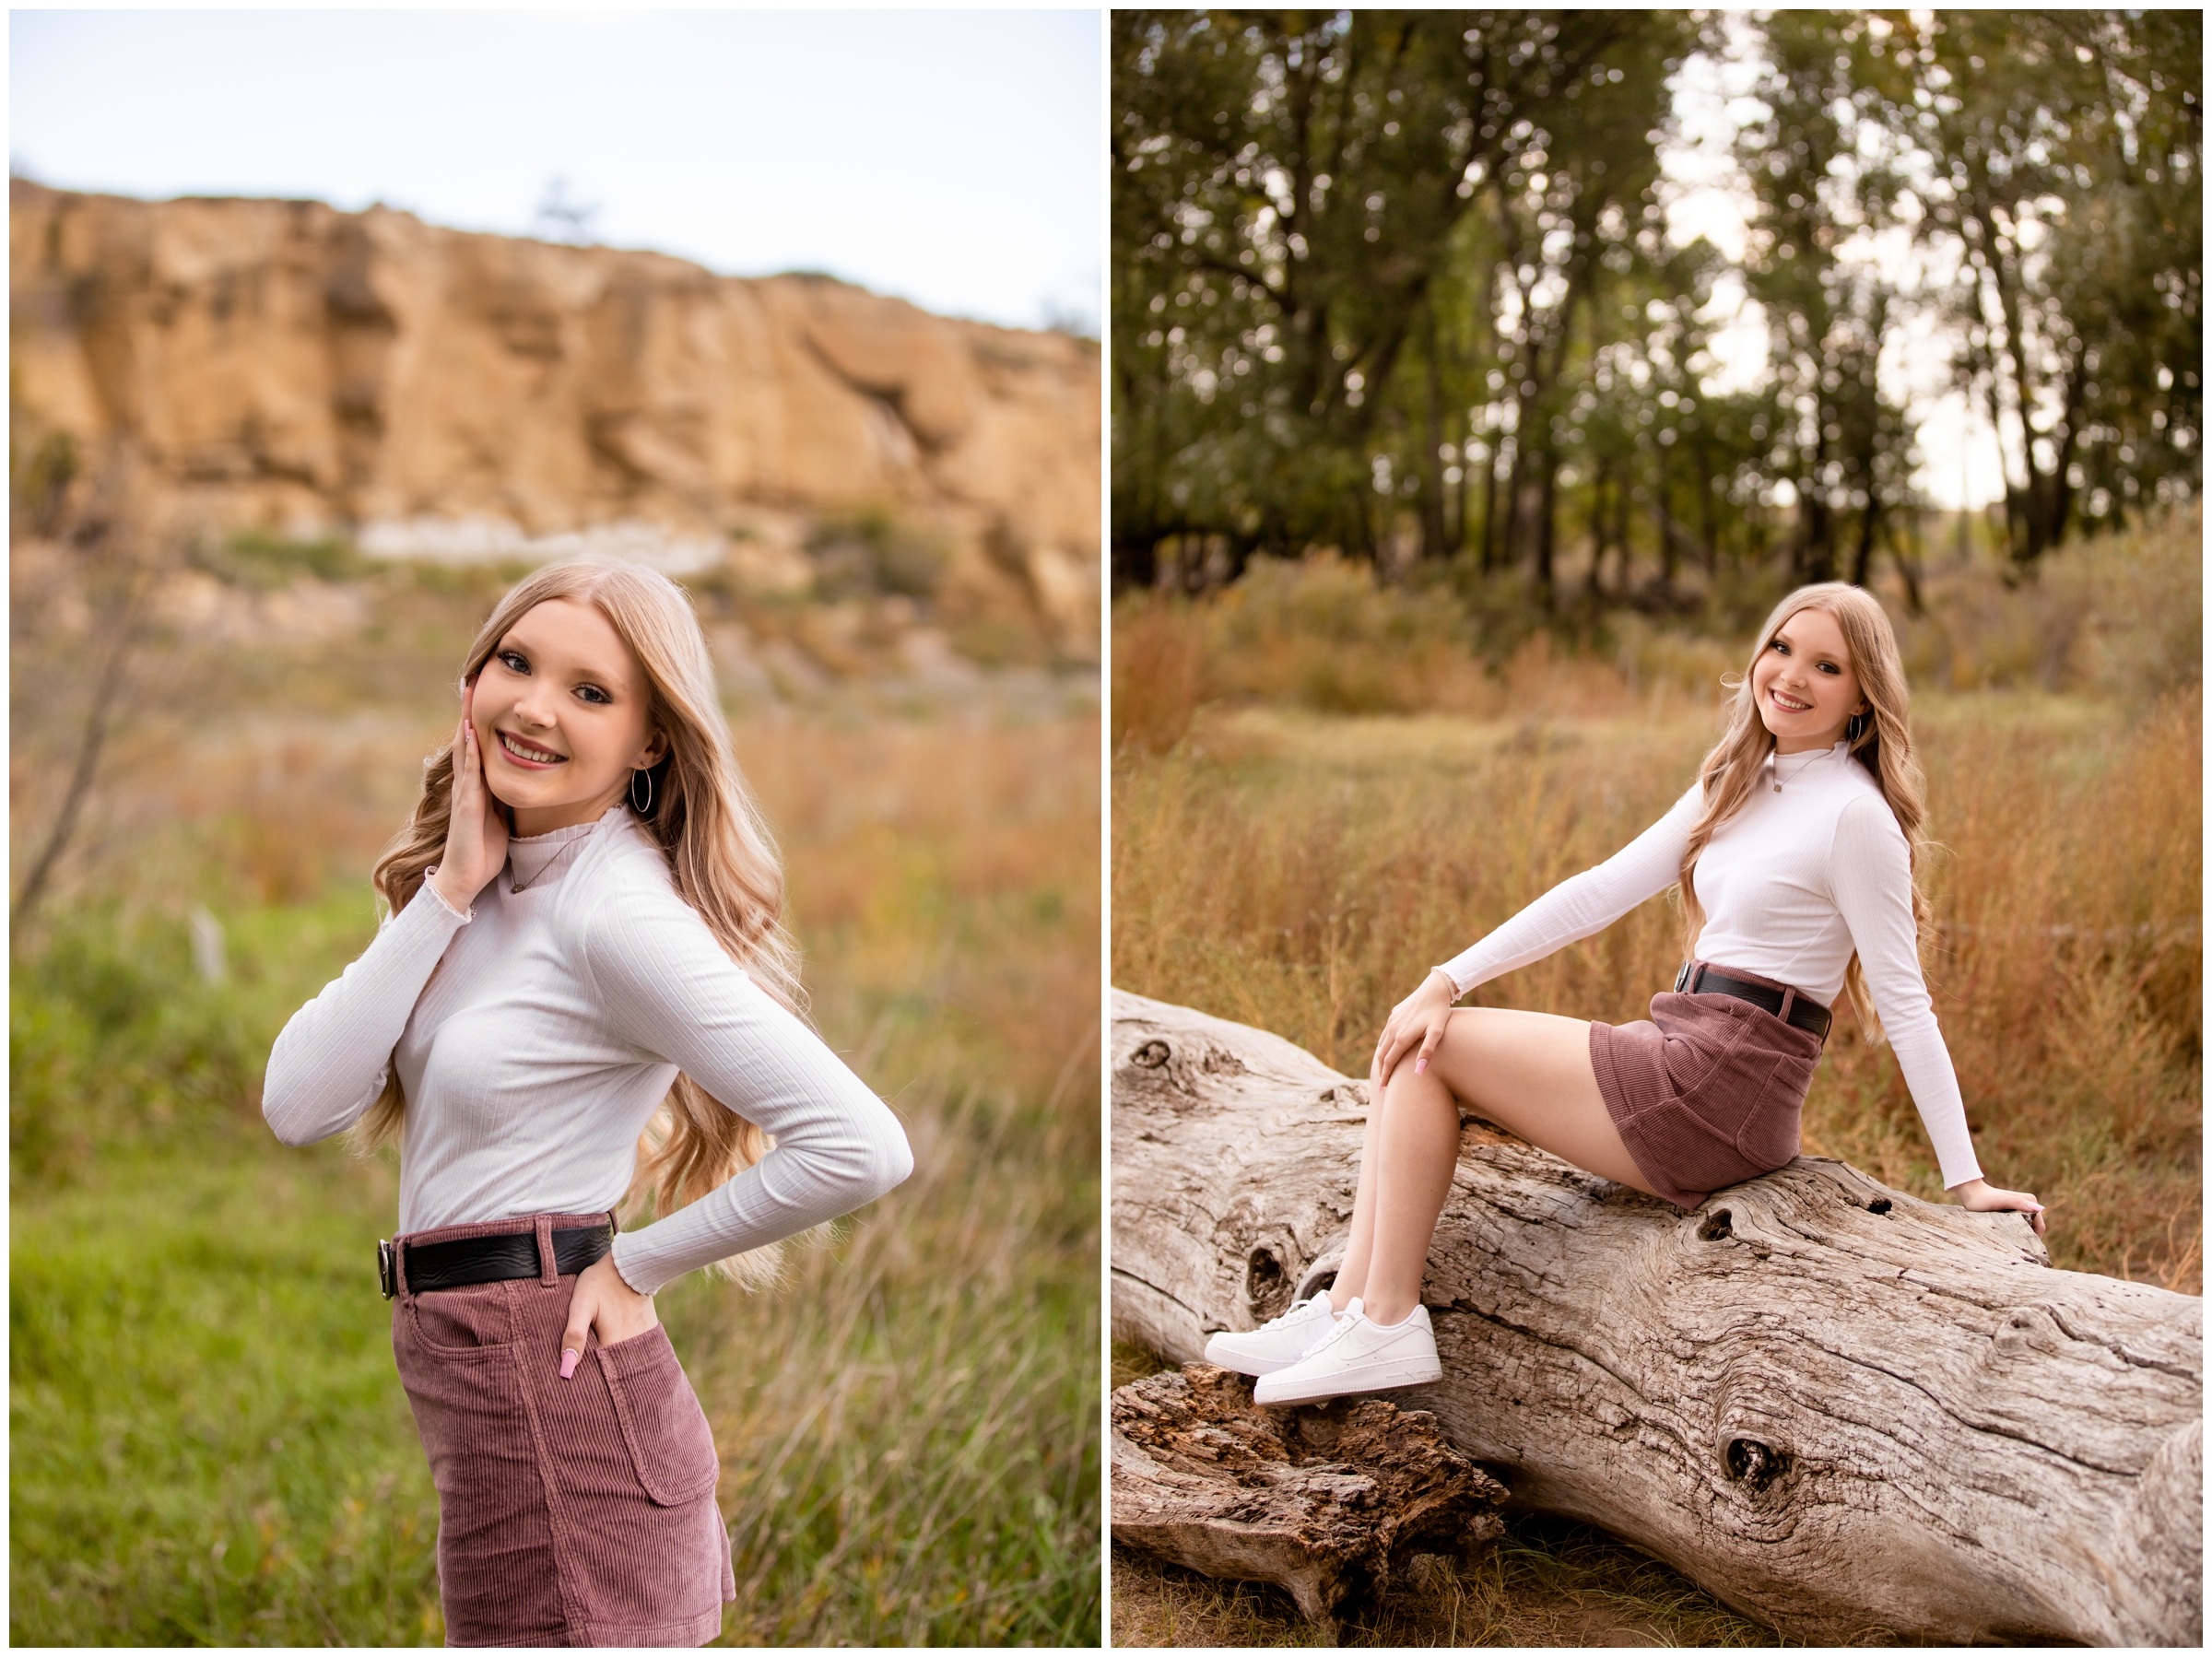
1706, 1093
569, 1512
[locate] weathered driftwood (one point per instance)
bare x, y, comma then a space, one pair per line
1839, 1409
1324, 1502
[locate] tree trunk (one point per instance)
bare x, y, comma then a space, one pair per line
1326, 1501
1870, 528
1489, 507
1435, 535
1705, 519
1907, 552
1596, 593
1840, 1410
1457, 537
1546, 519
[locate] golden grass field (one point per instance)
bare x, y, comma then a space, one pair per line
218, 1452
1287, 863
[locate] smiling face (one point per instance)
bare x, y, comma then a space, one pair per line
1803, 682
562, 717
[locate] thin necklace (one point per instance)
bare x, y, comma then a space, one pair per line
1774, 765
558, 853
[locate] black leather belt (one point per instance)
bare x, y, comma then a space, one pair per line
487, 1259
1805, 1013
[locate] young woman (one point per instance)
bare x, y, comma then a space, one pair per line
582, 993
1796, 851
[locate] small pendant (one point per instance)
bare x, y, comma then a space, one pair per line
1778, 788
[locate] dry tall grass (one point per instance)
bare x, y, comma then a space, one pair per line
2117, 617
2067, 973
1300, 872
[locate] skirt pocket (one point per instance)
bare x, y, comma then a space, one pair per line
461, 1322
1708, 1093
669, 1441
1771, 1130
1697, 1040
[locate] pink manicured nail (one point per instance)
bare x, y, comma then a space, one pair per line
1419, 1065
568, 1364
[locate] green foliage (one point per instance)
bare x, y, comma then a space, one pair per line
2061, 165
256, 559
115, 1040
1844, 447
872, 552
1400, 286
1287, 191
478, 585
40, 474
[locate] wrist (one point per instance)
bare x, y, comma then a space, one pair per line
1438, 975
439, 883
613, 1266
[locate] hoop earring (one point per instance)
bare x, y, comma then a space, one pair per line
1856, 729
647, 807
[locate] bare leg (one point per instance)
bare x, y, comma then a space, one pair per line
1351, 1276
1529, 1072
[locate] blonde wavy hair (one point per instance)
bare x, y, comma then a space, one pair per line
709, 828
1884, 746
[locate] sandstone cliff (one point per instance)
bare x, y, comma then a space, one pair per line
424, 393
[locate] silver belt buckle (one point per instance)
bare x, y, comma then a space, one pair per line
1682, 977
387, 1268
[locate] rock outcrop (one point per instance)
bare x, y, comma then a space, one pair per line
425, 392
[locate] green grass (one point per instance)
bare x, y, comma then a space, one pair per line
208, 1447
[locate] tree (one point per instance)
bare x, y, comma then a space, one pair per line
1286, 193
1820, 181
2060, 165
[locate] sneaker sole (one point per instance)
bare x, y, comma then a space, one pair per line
1373, 1378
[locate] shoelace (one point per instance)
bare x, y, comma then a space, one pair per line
1336, 1333
1286, 1317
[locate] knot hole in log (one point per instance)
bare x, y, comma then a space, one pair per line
1266, 1285
1714, 1227
1150, 1056
1754, 1463
1879, 1206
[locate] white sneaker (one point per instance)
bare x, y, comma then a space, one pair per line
1277, 1343
1357, 1356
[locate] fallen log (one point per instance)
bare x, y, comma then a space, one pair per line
1840, 1410
1325, 1502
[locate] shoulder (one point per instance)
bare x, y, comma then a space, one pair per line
1864, 823
621, 882
625, 857
1860, 797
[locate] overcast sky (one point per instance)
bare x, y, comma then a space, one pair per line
954, 158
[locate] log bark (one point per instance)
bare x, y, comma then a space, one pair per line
1840, 1410
1324, 1501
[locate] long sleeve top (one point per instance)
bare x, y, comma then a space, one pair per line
1791, 885
536, 1034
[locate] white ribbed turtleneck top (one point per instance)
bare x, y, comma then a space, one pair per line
1791, 885
536, 1035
